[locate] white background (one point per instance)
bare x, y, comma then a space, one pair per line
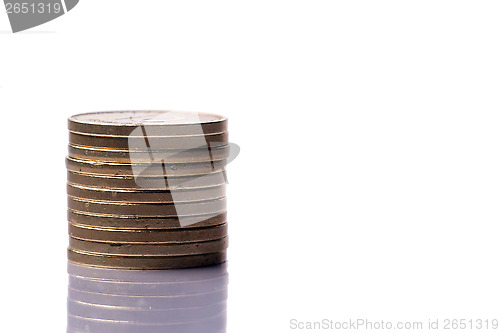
368, 183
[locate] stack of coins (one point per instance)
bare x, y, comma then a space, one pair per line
110, 300
146, 189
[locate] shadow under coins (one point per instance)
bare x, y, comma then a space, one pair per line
176, 301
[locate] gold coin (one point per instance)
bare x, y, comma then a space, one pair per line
141, 262
146, 183
217, 245
79, 272
149, 142
169, 156
154, 123
138, 236
147, 209
151, 196
145, 169
124, 222
146, 189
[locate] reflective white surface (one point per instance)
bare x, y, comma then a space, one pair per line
114, 300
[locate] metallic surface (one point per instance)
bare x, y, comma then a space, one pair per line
165, 278
142, 236
156, 169
169, 156
147, 209
146, 196
155, 142
217, 245
124, 222
167, 123
146, 190
141, 262
130, 182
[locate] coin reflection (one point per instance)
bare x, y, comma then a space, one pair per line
126, 301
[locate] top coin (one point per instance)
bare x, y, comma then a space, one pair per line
147, 123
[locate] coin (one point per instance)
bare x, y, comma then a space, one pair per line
146, 189
118, 221
76, 271
141, 262
142, 236
148, 209
155, 123
146, 196
148, 249
149, 142
168, 156
144, 169
145, 182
